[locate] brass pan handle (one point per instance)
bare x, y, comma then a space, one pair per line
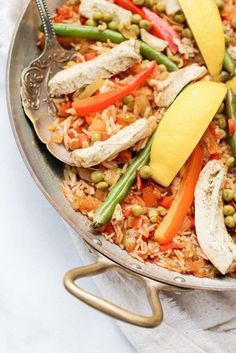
105, 306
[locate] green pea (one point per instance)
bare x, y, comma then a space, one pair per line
228, 210
228, 195
135, 29
136, 19
113, 25
137, 210
153, 214
162, 67
229, 221
235, 196
219, 3
161, 7
91, 22
95, 136
233, 22
221, 122
70, 63
145, 172
102, 186
230, 162
162, 211
179, 17
139, 2
128, 99
234, 217
130, 117
153, 219
145, 24
123, 25
107, 17
97, 16
148, 3
187, 33
97, 176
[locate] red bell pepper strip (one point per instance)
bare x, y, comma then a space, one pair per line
231, 126
173, 221
101, 101
161, 29
167, 201
129, 5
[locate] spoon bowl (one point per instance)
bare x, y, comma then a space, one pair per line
35, 96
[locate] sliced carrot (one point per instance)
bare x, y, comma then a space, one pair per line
97, 125
63, 108
86, 203
173, 221
90, 55
149, 197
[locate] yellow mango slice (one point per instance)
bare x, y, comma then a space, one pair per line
182, 127
232, 84
205, 22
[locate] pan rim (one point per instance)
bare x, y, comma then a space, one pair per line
214, 284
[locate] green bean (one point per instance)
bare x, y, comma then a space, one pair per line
87, 32
231, 114
229, 63
120, 190
152, 54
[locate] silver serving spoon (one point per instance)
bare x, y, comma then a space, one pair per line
36, 100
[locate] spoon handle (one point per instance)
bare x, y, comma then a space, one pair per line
46, 20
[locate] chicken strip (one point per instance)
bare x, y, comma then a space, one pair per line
125, 138
172, 6
212, 234
117, 60
88, 7
168, 89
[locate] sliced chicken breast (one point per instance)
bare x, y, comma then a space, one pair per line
125, 138
152, 40
168, 89
88, 7
212, 234
172, 6
118, 59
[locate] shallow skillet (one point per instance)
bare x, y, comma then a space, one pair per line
47, 173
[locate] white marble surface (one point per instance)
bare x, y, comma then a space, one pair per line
36, 313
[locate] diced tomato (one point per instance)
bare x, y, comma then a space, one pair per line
138, 221
108, 228
77, 142
149, 197
63, 108
137, 200
90, 55
127, 212
167, 201
73, 133
130, 222
63, 11
231, 126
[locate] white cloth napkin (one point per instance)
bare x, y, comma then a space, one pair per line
194, 322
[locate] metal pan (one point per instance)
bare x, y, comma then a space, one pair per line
47, 173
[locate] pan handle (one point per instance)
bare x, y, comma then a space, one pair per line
105, 306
